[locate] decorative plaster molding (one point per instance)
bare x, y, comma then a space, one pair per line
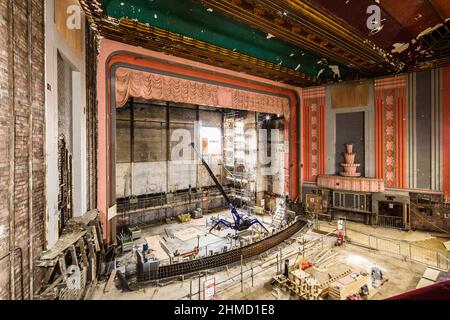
146, 85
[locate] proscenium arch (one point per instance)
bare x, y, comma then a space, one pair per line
128, 59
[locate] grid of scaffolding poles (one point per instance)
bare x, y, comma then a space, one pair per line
239, 172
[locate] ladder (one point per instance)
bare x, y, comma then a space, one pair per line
279, 213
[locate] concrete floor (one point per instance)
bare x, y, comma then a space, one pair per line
403, 275
216, 240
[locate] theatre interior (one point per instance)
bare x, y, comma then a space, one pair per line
224, 149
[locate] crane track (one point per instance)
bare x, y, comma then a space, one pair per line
223, 259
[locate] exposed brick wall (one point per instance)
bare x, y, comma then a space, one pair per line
28, 89
4, 145
429, 213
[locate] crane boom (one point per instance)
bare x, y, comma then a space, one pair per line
213, 176
240, 223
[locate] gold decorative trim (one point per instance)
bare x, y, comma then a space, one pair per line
154, 38
302, 23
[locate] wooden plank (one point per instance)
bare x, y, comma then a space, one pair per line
83, 252
73, 254
447, 245
52, 286
46, 263
64, 242
87, 217
92, 259
348, 285
110, 282
62, 267
94, 235
48, 274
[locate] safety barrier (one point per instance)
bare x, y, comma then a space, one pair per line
223, 259
400, 248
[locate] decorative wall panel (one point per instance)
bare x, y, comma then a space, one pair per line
313, 133
424, 130
351, 184
390, 131
146, 85
350, 95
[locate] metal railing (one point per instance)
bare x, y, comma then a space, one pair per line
245, 277
201, 263
390, 222
400, 248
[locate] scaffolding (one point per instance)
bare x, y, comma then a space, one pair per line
240, 176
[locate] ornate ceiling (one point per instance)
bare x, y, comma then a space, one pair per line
301, 42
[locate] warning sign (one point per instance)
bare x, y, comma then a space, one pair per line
209, 287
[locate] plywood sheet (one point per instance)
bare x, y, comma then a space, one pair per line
431, 274
424, 283
188, 233
447, 245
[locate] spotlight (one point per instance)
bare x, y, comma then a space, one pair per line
267, 117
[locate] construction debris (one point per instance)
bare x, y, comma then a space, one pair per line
72, 264
185, 217
110, 282
348, 285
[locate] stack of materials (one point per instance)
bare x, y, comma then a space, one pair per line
324, 259
314, 203
185, 217
348, 285
135, 232
431, 276
258, 210
304, 285
311, 284
197, 214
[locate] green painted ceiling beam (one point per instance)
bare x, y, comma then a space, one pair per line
194, 20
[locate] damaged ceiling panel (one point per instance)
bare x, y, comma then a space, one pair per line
194, 20
301, 42
409, 30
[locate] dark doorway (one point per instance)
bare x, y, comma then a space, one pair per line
350, 129
390, 215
